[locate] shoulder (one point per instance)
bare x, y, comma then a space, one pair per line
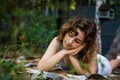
55, 41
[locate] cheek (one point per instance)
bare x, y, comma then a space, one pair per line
76, 45
66, 37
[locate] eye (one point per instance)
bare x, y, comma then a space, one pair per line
78, 41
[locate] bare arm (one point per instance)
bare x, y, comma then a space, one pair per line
76, 65
93, 65
52, 56
75, 62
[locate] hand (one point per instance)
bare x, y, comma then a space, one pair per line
78, 49
68, 52
73, 51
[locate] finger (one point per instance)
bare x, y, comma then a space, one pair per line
82, 46
79, 49
76, 52
70, 51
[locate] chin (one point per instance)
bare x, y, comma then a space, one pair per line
67, 48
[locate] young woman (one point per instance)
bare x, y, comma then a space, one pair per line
75, 44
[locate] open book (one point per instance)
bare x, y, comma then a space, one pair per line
42, 75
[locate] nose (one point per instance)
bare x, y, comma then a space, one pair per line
70, 40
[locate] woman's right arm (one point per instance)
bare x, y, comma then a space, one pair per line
51, 56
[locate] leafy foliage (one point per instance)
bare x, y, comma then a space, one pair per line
25, 30
24, 26
10, 71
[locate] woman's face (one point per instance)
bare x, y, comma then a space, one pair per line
72, 42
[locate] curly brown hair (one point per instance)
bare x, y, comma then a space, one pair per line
89, 28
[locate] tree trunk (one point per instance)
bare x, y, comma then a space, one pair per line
98, 4
62, 14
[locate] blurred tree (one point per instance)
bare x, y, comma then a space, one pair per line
30, 25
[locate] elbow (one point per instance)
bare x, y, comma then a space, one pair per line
92, 71
42, 68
